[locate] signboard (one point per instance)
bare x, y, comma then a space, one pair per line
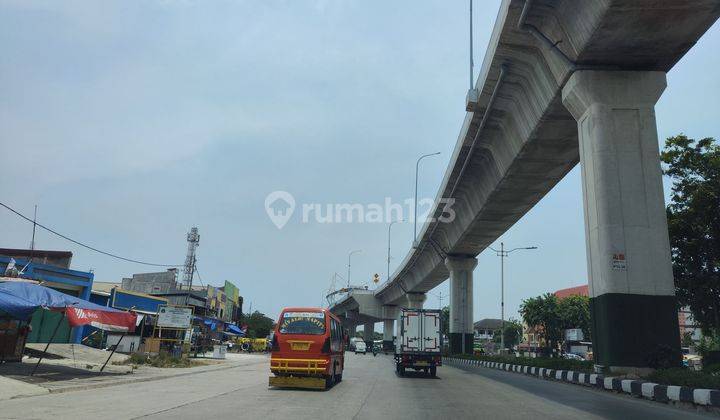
618, 261
174, 317
574, 334
123, 299
232, 292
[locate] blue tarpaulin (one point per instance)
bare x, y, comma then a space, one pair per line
209, 322
20, 299
235, 329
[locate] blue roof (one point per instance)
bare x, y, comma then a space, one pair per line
20, 299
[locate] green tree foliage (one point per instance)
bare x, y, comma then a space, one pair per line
554, 316
694, 225
574, 312
259, 326
513, 333
445, 321
542, 311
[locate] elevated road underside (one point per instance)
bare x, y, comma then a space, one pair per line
562, 82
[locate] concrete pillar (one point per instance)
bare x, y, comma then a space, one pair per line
415, 300
632, 296
352, 330
461, 304
368, 334
388, 332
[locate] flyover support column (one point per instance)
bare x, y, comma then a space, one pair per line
632, 295
461, 304
415, 300
369, 334
388, 331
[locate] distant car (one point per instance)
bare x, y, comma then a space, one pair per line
360, 347
573, 356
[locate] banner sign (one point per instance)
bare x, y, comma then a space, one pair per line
174, 317
104, 320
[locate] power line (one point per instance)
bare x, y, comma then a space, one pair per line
84, 245
199, 276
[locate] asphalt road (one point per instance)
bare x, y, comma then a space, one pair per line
370, 390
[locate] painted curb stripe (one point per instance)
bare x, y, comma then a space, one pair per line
648, 390
625, 385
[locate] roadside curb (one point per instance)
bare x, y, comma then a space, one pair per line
639, 389
134, 380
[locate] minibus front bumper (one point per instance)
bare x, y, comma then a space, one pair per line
305, 367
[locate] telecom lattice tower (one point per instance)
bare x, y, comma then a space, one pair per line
193, 240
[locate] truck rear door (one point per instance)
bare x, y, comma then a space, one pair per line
431, 331
411, 338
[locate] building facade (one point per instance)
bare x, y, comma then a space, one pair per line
52, 269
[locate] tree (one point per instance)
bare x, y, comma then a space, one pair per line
513, 333
259, 326
445, 321
574, 312
542, 312
694, 225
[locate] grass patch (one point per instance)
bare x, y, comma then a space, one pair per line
160, 361
685, 377
584, 366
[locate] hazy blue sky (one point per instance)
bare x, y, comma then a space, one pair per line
130, 122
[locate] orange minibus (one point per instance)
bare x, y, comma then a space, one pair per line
308, 348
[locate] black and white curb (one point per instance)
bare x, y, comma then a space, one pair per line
640, 389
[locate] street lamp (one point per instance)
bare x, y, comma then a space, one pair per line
350, 256
502, 253
388, 258
417, 165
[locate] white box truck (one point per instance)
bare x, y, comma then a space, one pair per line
418, 341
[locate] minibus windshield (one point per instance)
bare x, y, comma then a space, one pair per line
303, 323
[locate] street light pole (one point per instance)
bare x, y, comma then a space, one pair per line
388, 256
503, 254
349, 257
417, 166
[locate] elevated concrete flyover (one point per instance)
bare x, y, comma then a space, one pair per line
553, 69
361, 307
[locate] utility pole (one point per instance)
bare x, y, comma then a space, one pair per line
32, 241
349, 259
472, 64
388, 256
503, 254
417, 167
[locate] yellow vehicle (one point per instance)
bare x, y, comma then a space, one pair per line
252, 344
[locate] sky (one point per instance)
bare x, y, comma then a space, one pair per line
127, 123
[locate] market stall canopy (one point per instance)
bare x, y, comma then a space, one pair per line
19, 300
234, 329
